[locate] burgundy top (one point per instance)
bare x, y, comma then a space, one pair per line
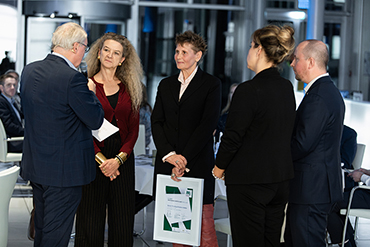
127, 120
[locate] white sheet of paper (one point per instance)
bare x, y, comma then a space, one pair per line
107, 129
178, 210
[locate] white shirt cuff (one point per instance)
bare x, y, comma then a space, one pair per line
168, 155
365, 179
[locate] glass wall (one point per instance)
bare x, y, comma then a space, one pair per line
38, 39
8, 37
332, 38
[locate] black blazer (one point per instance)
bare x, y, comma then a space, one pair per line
255, 147
60, 112
316, 145
13, 127
187, 126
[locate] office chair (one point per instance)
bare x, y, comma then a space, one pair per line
357, 161
8, 179
4, 155
364, 213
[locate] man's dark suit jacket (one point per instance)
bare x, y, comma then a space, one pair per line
60, 112
315, 145
348, 146
348, 149
13, 127
187, 126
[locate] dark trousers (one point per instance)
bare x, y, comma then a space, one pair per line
102, 195
257, 213
55, 208
306, 225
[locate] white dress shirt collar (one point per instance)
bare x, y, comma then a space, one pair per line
185, 83
69, 62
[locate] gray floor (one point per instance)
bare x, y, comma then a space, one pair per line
20, 207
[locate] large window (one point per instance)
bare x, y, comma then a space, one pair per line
8, 37
333, 40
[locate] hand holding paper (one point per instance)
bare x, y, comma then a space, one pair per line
107, 129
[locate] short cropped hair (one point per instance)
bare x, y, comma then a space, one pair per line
67, 34
318, 51
13, 73
4, 77
197, 42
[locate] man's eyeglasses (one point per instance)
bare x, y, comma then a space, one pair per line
86, 47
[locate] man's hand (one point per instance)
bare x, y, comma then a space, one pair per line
364, 171
356, 175
91, 85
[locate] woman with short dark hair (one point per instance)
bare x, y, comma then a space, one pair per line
183, 120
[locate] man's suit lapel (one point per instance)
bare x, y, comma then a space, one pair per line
195, 83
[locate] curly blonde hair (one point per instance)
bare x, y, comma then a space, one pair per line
278, 42
129, 73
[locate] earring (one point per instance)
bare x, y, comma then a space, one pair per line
73, 50
98, 56
119, 64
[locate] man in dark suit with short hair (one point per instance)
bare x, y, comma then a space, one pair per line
58, 153
10, 115
317, 182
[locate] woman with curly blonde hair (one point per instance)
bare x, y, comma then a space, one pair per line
115, 68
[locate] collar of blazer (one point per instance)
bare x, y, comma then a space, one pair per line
57, 59
319, 81
193, 86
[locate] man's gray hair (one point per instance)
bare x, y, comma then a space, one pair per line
68, 34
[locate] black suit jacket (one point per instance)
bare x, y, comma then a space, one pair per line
348, 146
315, 145
348, 149
187, 126
60, 112
13, 127
255, 147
